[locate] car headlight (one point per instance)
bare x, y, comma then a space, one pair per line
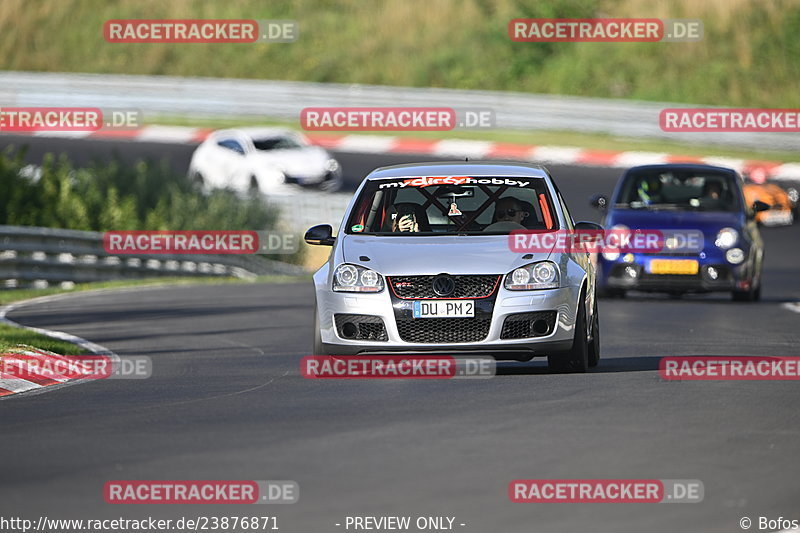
355, 278
794, 196
612, 254
331, 165
726, 238
541, 275
734, 256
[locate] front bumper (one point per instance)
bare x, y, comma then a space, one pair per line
715, 275
313, 178
392, 311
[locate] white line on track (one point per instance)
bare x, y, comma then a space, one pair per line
792, 306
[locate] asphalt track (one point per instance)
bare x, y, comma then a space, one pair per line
226, 401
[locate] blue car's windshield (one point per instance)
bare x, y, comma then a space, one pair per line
455, 205
679, 190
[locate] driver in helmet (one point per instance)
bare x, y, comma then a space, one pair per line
649, 190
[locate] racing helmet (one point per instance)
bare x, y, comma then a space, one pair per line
649, 188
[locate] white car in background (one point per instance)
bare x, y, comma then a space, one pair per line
264, 160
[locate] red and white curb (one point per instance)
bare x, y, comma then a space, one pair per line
25, 368
385, 144
20, 367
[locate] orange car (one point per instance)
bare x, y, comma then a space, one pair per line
781, 213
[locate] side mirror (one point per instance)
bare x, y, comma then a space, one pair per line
759, 206
320, 235
584, 225
599, 201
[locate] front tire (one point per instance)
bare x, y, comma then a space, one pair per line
331, 185
576, 360
594, 344
318, 348
611, 293
753, 294
253, 189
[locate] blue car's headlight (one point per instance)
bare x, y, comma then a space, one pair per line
541, 275
734, 256
726, 238
612, 254
355, 278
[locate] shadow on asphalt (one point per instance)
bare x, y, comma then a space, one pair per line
617, 364
693, 299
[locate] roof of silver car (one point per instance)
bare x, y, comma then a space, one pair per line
460, 168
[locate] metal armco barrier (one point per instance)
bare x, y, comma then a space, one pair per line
303, 209
40, 257
229, 98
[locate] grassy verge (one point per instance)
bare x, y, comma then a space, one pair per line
10, 337
591, 141
747, 57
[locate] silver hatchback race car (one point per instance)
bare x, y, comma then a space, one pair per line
423, 264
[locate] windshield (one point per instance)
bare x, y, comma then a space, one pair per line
276, 143
679, 190
452, 205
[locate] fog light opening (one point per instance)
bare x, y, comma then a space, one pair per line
712, 273
540, 327
349, 330
631, 272
734, 256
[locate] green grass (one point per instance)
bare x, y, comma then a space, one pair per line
10, 337
748, 56
538, 138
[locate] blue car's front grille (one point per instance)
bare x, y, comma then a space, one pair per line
674, 254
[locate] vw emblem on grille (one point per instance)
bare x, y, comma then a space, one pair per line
444, 285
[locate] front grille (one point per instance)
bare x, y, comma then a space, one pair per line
669, 278
443, 330
520, 325
421, 287
361, 328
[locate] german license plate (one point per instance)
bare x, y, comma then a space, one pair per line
674, 266
444, 309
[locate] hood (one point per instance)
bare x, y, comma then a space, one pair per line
299, 162
700, 220
394, 256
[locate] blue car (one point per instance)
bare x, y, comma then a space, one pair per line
683, 199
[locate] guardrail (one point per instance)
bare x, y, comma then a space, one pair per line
41, 257
213, 97
301, 210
